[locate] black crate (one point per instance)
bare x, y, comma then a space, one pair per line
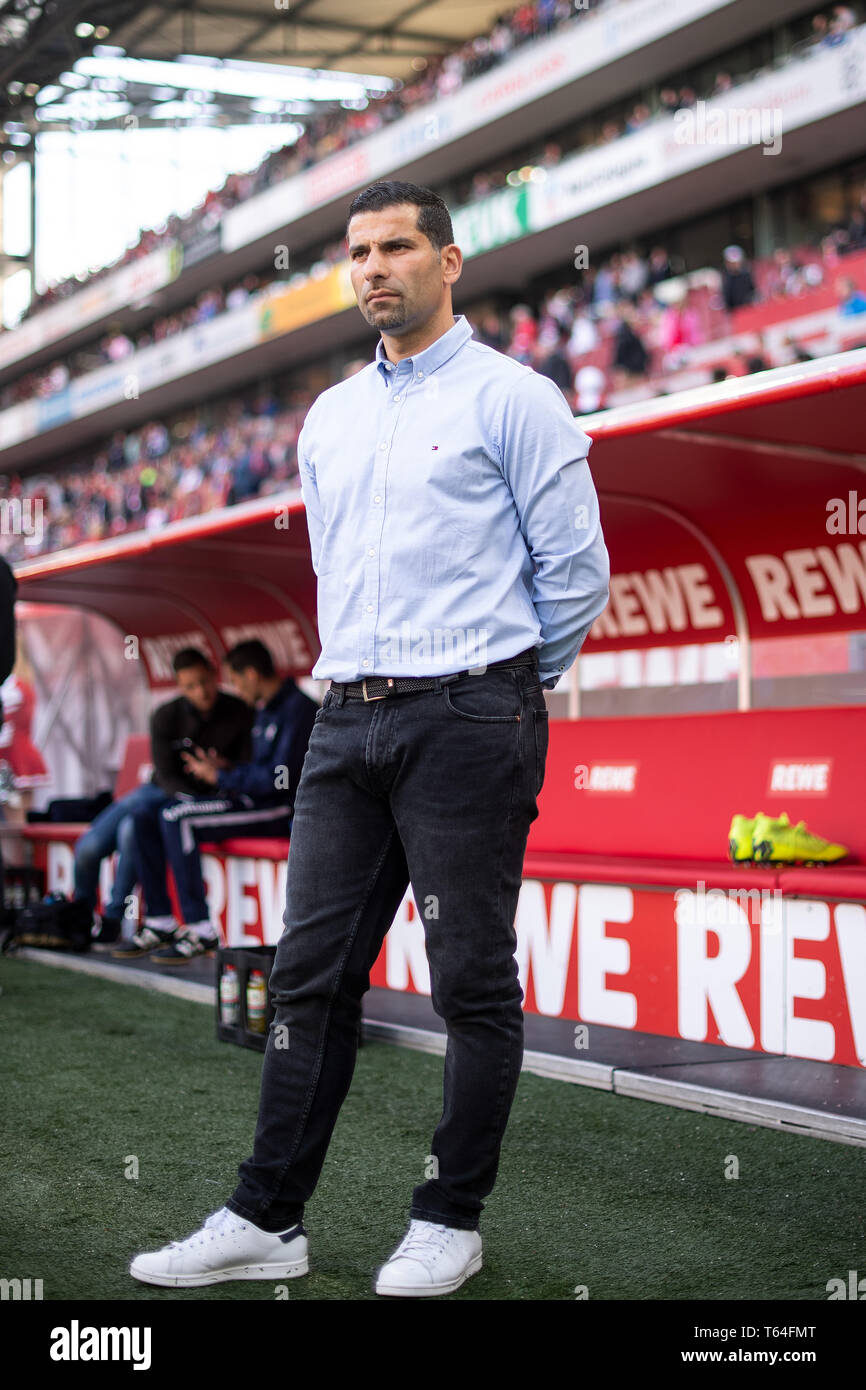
245, 959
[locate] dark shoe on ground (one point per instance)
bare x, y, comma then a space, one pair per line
186, 945
145, 941
106, 930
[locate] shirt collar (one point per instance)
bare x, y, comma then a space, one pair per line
434, 356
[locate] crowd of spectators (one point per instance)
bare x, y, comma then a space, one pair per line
650, 314
632, 319
443, 74
824, 30
115, 345
143, 479
338, 128
624, 117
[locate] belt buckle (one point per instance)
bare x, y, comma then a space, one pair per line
368, 699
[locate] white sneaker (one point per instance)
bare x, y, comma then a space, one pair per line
226, 1247
431, 1259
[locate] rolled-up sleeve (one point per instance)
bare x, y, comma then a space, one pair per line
543, 454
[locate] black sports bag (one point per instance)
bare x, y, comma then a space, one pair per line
54, 924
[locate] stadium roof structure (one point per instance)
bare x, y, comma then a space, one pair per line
387, 38
720, 500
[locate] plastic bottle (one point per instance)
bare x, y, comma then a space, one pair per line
257, 1002
230, 997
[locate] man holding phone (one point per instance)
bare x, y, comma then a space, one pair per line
252, 797
203, 717
201, 711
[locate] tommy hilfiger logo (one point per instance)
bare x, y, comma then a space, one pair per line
435, 446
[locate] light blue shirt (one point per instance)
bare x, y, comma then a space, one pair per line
452, 516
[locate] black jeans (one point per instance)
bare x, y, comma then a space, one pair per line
437, 788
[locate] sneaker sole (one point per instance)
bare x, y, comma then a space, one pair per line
428, 1290
221, 1276
798, 863
184, 960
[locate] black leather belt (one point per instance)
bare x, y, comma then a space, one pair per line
378, 687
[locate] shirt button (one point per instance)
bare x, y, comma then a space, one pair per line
383, 446
377, 498
371, 552
365, 662
369, 607
420, 374
396, 398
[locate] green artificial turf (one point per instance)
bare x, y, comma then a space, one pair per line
625, 1197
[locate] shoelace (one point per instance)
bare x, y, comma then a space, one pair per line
221, 1223
424, 1240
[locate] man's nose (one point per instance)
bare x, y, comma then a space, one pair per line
375, 268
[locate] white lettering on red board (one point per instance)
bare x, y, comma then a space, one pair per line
606, 777
810, 583
710, 953
406, 954
602, 954
851, 936
807, 778
674, 599
159, 652
543, 946
246, 896
283, 637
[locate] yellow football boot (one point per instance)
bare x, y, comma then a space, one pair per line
740, 838
779, 842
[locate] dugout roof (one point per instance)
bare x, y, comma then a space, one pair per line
729, 511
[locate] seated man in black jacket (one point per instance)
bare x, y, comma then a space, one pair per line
201, 714
251, 798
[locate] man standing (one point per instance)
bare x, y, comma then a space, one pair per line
250, 798
454, 530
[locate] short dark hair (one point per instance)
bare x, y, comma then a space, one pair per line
434, 219
190, 656
253, 653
